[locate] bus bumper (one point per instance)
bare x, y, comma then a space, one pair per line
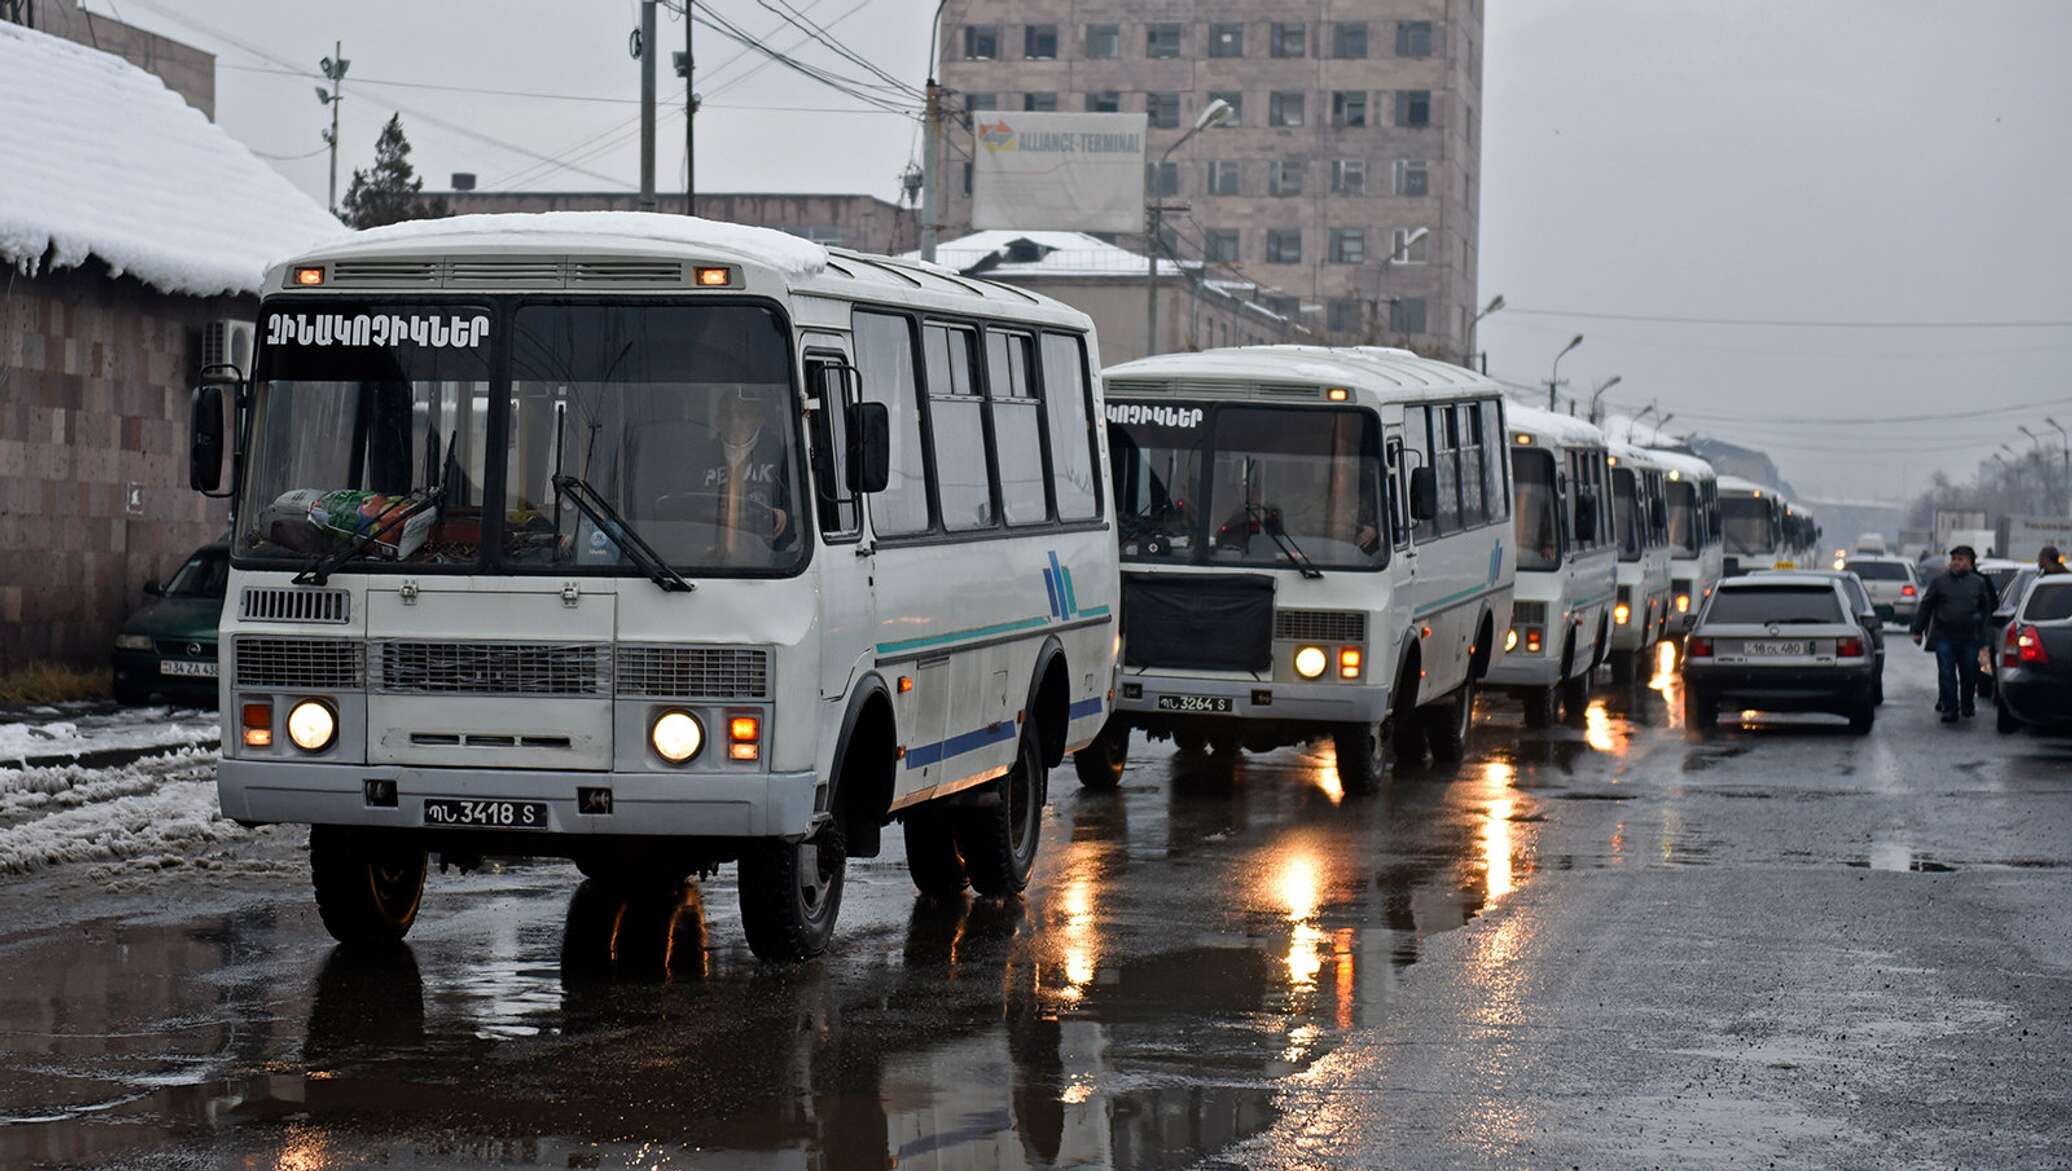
1516, 669
675, 804
1316, 703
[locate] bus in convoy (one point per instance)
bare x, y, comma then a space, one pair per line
656, 543
1316, 542
1567, 562
1800, 535
1696, 548
1751, 527
1640, 611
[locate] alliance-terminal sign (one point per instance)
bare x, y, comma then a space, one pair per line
1074, 172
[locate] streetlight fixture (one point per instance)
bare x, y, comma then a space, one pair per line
1398, 250
1598, 394
333, 68
1495, 303
1635, 420
1216, 113
2065, 463
1554, 378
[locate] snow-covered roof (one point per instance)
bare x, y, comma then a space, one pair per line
1629, 455
642, 232
1397, 373
1682, 463
98, 158
1737, 484
1548, 425
1059, 254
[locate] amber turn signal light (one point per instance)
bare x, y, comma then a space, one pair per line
257, 719
307, 277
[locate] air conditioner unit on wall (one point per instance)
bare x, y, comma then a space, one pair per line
228, 341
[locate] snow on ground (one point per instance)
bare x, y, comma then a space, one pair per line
156, 813
84, 729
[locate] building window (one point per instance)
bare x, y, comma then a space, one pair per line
1040, 103
981, 42
1290, 39
981, 103
1237, 105
1284, 245
1162, 178
967, 178
1103, 41
1407, 315
1414, 38
1161, 40
1284, 109
1221, 245
1349, 40
1349, 177
1164, 110
1040, 42
1226, 40
1348, 246
1405, 252
1349, 108
1285, 178
1225, 177
1413, 177
830, 234
1413, 107
1105, 102
1344, 314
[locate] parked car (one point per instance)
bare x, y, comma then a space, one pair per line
2010, 600
2034, 667
1781, 642
1893, 586
169, 646
1860, 604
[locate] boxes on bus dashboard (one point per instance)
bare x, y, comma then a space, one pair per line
1567, 559
1640, 520
714, 546
1696, 547
1315, 542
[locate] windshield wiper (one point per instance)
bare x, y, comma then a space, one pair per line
1287, 543
616, 527
320, 569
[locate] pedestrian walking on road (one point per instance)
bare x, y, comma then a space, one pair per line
1954, 614
2050, 561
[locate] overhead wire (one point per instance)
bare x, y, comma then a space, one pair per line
1783, 323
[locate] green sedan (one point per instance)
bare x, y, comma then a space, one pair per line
169, 646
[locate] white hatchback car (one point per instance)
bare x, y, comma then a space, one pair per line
1894, 584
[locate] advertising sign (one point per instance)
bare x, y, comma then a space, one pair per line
1071, 172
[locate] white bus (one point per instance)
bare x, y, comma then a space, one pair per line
1567, 563
657, 543
1696, 548
1317, 542
1640, 611
1751, 527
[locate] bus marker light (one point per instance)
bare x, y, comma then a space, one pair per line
906, 684
743, 751
744, 729
1337, 394
258, 724
714, 278
1349, 662
308, 277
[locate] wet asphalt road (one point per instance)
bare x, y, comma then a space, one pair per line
1608, 945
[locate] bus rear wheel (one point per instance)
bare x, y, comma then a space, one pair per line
791, 893
1100, 764
1446, 724
931, 849
998, 835
1541, 706
1622, 667
368, 883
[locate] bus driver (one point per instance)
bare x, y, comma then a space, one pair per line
744, 473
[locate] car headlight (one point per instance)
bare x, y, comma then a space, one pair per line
312, 725
133, 642
1311, 661
677, 736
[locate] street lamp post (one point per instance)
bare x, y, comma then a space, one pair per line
1597, 395
1495, 303
2064, 465
1381, 271
1554, 377
1214, 114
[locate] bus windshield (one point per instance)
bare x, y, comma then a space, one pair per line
1631, 521
678, 416
1252, 486
1747, 525
1683, 519
1534, 502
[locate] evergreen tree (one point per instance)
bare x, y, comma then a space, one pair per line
388, 193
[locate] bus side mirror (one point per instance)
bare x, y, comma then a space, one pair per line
1424, 494
870, 447
205, 439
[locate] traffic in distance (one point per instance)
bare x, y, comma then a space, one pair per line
661, 545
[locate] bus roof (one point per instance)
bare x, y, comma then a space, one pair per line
1629, 456
1737, 484
1385, 372
1684, 464
1549, 427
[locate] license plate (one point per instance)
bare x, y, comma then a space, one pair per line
485, 814
1194, 703
1759, 649
187, 667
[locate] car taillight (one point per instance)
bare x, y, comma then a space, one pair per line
1697, 648
1906, 591
2028, 646
1848, 648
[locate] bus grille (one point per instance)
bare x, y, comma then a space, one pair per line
492, 668
331, 664
681, 672
1320, 625
273, 604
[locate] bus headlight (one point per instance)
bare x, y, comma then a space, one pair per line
1683, 603
1311, 662
1511, 639
677, 736
312, 725
1622, 613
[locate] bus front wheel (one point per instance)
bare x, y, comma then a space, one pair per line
791, 893
1362, 755
1446, 724
1541, 704
368, 884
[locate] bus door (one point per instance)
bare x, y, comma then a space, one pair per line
848, 609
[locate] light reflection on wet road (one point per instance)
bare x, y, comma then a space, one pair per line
1193, 945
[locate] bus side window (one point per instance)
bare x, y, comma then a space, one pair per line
1474, 505
1399, 531
1018, 428
1495, 468
840, 513
885, 357
1417, 442
1067, 410
963, 478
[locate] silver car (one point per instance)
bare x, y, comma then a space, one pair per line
1893, 583
1781, 642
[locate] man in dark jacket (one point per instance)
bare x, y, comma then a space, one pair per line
1955, 613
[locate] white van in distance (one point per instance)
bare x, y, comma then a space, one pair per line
1696, 547
1640, 611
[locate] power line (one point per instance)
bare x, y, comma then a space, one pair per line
1788, 324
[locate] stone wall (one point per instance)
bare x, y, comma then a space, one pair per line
94, 379
186, 70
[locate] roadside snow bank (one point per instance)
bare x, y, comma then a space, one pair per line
155, 812
155, 727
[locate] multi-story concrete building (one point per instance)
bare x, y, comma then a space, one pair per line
1347, 179
863, 222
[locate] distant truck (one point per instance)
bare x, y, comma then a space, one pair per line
2021, 537
1949, 520
1870, 543
1984, 542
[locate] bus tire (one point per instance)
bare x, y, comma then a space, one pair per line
1574, 685
1406, 730
1362, 755
791, 893
1541, 704
368, 884
1190, 743
998, 835
1100, 764
1622, 667
1446, 724
931, 850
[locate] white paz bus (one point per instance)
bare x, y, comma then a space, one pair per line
1567, 563
1640, 611
1316, 542
1752, 528
1696, 547
657, 543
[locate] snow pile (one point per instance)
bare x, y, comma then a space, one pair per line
130, 728
795, 256
1059, 254
156, 812
98, 158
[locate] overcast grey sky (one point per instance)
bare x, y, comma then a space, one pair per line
1799, 160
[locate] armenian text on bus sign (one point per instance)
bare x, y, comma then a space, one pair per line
1076, 172
439, 330
1186, 418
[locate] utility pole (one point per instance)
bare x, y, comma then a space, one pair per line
647, 105
685, 70
1554, 376
931, 144
334, 71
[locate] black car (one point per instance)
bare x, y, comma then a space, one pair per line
169, 646
2035, 659
1781, 642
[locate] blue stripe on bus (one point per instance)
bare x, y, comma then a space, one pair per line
1088, 707
1050, 590
928, 754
